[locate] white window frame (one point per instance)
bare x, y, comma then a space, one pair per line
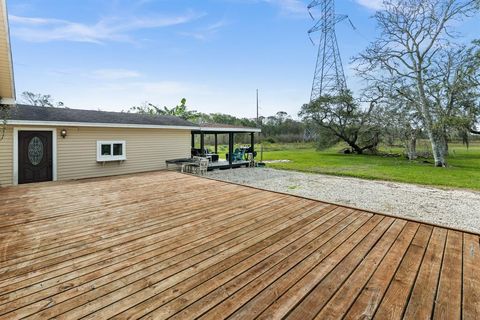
102, 158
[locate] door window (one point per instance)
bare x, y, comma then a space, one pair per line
35, 151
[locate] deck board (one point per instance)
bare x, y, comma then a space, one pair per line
166, 245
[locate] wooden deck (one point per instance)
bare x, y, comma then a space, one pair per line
163, 244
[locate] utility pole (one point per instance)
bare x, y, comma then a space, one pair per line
329, 77
257, 107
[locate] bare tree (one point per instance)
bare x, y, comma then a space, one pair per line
40, 100
415, 54
400, 122
4, 115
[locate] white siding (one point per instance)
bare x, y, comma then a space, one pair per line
147, 150
6, 158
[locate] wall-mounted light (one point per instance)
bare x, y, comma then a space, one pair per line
63, 133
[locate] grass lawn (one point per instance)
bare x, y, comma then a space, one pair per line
463, 170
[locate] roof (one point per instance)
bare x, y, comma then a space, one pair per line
48, 116
25, 114
7, 87
220, 127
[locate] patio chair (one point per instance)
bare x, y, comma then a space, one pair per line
202, 167
192, 166
188, 167
238, 154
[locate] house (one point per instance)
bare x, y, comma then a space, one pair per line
40, 144
45, 144
48, 144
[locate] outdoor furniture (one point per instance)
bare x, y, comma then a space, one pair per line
251, 160
178, 163
248, 149
202, 167
237, 155
198, 153
212, 156
189, 167
198, 165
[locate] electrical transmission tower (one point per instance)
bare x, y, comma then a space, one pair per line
329, 78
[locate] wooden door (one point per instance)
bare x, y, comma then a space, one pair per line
35, 156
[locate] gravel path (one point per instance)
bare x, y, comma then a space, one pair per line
454, 208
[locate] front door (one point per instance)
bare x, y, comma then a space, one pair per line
34, 156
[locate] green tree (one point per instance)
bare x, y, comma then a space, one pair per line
340, 118
180, 110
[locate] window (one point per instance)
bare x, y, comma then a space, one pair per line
111, 151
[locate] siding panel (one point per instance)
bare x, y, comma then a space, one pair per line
6, 158
147, 150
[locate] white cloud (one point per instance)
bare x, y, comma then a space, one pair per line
153, 90
33, 21
109, 29
286, 7
115, 74
371, 4
289, 6
207, 32
162, 88
121, 95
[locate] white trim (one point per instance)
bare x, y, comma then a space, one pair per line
96, 125
7, 101
102, 158
248, 130
124, 125
10, 56
15, 150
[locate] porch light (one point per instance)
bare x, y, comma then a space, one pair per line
63, 133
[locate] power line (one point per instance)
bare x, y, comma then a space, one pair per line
329, 77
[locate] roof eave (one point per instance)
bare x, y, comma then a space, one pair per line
97, 125
239, 130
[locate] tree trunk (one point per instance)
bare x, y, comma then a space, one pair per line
412, 147
436, 136
438, 148
356, 149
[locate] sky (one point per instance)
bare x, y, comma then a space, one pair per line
114, 54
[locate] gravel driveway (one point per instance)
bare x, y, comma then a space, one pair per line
454, 208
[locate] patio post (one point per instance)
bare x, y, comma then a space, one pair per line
230, 148
202, 143
216, 143
252, 142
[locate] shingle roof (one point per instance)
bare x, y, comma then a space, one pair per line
219, 128
222, 125
48, 114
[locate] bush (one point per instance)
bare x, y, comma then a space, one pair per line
269, 140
